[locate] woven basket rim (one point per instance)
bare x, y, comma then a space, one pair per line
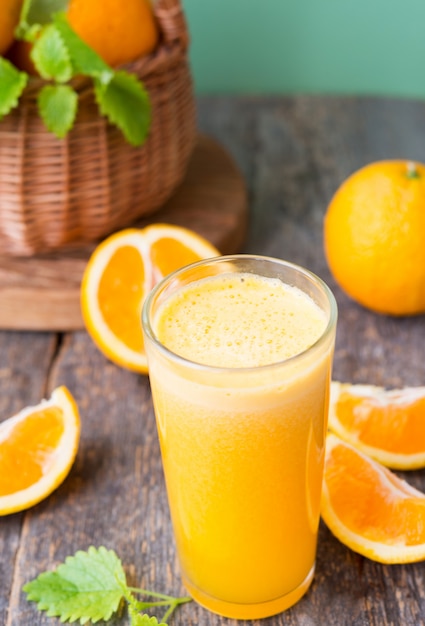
168, 51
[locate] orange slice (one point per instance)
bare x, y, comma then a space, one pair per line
119, 275
171, 247
370, 509
37, 449
387, 425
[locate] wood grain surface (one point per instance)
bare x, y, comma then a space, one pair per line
293, 153
43, 292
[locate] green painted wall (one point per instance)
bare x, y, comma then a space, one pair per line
308, 46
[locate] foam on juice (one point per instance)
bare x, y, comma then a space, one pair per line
239, 320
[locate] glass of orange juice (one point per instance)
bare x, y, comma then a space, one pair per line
240, 354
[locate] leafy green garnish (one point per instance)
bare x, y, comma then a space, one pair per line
85, 587
86, 61
12, 84
59, 55
50, 56
40, 11
126, 104
145, 620
57, 105
91, 586
36, 13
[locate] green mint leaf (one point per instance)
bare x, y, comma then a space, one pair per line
136, 619
85, 60
50, 55
12, 84
34, 14
21, 31
57, 105
135, 607
125, 102
88, 586
41, 11
25, 9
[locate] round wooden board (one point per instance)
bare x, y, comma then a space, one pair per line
43, 292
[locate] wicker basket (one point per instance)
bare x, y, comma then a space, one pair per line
79, 189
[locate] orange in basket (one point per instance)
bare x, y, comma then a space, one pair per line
92, 182
119, 275
9, 18
118, 31
370, 509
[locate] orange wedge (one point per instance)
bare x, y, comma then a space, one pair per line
119, 275
369, 509
387, 425
37, 449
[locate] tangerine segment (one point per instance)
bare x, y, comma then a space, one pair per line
37, 449
370, 509
115, 283
388, 425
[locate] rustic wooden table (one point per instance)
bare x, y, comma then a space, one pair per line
293, 153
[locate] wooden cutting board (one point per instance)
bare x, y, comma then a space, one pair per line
43, 292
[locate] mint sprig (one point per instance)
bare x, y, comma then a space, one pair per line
85, 60
125, 105
59, 55
91, 586
40, 11
12, 84
57, 105
51, 57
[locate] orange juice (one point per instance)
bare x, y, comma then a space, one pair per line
241, 421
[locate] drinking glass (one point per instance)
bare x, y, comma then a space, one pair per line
243, 446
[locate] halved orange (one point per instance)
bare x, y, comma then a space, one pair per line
37, 449
369, 509
388, 425
172, 247
119, 275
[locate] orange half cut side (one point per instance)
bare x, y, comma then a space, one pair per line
172, 247
115, 283
119, 275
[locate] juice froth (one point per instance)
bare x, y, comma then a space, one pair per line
242, 448
239, 320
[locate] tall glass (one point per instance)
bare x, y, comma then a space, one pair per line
242, 441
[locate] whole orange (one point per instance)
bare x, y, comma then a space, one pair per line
9, 19
118, 30
374, 237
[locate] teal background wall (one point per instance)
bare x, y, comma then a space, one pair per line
374, 47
